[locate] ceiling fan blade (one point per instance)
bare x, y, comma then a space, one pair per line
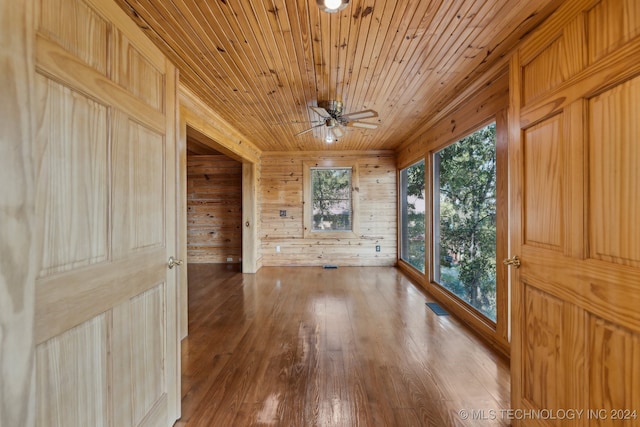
321, 112
365, 114
337, 132
309, 130
363, 125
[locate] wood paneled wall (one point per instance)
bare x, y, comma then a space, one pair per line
224, 138
228, 140
281, 188
214, 209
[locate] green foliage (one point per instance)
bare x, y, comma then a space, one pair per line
331, 189
467, 219
415, 219
415, 182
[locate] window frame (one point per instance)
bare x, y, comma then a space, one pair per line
308, 201
500, 201
402, 217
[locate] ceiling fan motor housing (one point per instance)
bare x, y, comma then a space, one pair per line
333, 120
334, 108
330, 122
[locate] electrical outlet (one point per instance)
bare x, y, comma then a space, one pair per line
283, 213
229, 259
278, 249
377, 248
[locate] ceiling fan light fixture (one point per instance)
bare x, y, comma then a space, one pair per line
329, 138
332, 6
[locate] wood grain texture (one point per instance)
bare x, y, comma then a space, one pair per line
68, 70
18, 227
138, 170
543, 373
546, 71
138, 75
516, 178
590, 81
204, 126
282, 188
137, 340
79, 29
467, 114
614, 155
203, 119
181, 214
503, 310
106, 314
610, 24
251, 253
544, 184
148, 325
613, 369
214, 209
262, 65
307, 346
73, 368
586, 295
73, 161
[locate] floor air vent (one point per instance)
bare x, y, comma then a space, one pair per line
437, 309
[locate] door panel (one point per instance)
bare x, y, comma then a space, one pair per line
614, 175
576, 327
615, 354
106, 312
73, 178
78, 28
543, 372
138, 187
72, 367
139, 330
543, 165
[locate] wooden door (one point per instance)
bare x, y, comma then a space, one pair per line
17, 213
105, 322
574, 159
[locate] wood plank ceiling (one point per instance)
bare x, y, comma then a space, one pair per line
261, 63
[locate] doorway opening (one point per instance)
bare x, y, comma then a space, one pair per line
214, 204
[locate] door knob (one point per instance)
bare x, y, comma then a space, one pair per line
515, 261
173, 262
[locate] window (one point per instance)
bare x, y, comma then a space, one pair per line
330, 199
412, 215
464, 227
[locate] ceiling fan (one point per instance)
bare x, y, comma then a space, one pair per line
334, 120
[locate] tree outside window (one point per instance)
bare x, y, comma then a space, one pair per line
331, 196
465, 219
412, 205
331, 202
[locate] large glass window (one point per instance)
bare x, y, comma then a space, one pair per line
412, 214
465, 219
331, 198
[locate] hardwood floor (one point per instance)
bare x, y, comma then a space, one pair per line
304, 346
